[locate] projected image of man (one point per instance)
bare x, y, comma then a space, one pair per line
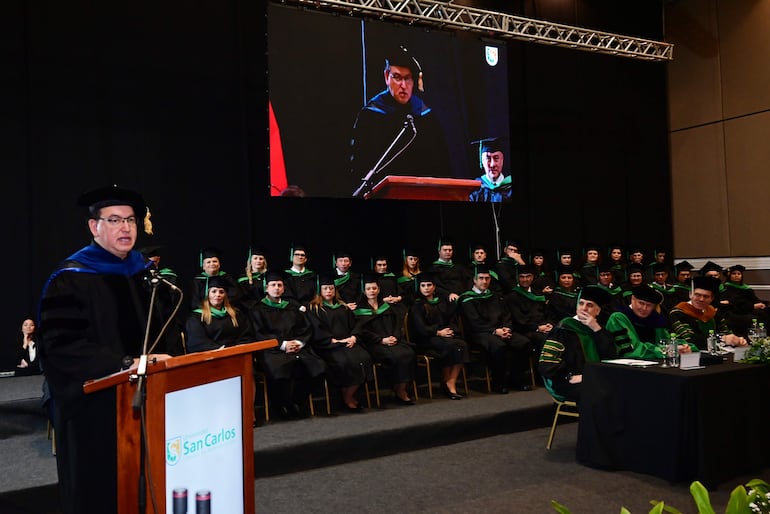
495, 185
396, 132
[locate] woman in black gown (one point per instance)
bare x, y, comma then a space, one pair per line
433, 323
336, 341
382, 333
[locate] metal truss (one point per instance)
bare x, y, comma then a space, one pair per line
448, 15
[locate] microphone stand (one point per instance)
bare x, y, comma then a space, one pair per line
366, 181
140, 396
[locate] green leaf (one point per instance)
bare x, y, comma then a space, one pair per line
657, 509
666, 508
624, 510
558, 507
739, 501
701, 497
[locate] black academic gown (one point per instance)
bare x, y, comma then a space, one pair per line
347, 366
374, 325
92, 314
425, 319
220, 332
285, 322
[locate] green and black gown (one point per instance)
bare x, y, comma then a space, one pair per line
374, 325
426, 317
347, 366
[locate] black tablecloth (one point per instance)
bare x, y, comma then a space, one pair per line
708, 424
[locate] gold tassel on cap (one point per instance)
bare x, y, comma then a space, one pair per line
147, 222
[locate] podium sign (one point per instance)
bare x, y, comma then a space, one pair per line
198, 416
204, 444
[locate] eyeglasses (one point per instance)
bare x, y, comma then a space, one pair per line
401, 78
298, 254
115, 221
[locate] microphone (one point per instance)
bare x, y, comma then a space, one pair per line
154, 277
410, 121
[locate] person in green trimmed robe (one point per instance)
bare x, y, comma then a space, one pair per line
495, 185
576, 340
744, 304
638, 327
693, 320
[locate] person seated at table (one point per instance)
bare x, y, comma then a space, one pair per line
744, 305
335, 340
693, 320
573, 342
382, 333
293, 366
435, 327
637, 328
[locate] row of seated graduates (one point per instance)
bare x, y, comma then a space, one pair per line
559, 290
452, 278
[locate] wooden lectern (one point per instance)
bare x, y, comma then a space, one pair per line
423, 188
169, 376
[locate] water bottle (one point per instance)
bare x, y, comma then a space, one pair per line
754, 330
712, 343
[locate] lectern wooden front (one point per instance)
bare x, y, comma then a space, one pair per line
423, 188
199, 429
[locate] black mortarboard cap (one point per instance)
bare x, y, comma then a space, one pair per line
564, 270
647, 294
708, 283
736, 267
208, 253
410, 252
370, 277
525, 269
151, 251
634, 268
274, 276
659, 267
710, 266
480, 268
401, 56
425, 276
107, 196
217, 281
684, 266
112, 195
595, 294
326, 278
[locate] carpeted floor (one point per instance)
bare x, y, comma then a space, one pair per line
480, 454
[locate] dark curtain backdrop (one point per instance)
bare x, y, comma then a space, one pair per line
171, 98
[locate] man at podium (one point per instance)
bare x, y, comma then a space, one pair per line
396, 130
93, 315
